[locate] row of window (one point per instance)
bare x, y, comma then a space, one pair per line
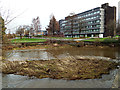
90, 26
94, 30
87, 31
89, 22
89, 14
86, 19
92, 22
91, 18
84, 23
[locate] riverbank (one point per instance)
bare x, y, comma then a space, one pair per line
51, 46
35, 42
70, 68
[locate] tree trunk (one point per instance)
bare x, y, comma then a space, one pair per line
20, 36
79, 35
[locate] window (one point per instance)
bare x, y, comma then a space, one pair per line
98, 11
98, 25
94, 12
98, 21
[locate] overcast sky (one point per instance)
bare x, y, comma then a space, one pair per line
44, 8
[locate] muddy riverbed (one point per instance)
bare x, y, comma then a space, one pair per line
70, 68
40, 55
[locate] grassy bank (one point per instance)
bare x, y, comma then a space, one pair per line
26, 40
50, 46
60, 37
69, 68
112, 40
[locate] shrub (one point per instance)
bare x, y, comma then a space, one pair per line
119, 39
38, 36
110, 40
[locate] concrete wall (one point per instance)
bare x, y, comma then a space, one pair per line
102, 21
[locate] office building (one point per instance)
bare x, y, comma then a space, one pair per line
119, 11
91, 23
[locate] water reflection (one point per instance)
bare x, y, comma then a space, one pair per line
113, 53
28, 55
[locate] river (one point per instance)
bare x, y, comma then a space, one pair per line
17, 81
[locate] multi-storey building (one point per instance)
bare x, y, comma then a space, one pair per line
119, 11
91, 23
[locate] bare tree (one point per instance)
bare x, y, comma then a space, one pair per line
81, 25
2, 30
20, 31
27, 30
118, 28
36, 25
70, 20
7, 15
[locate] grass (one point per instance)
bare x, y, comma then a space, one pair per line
23, 40
62, 37
102, 40
58, 37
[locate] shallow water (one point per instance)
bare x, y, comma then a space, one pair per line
17, 81
21, 55
37, 54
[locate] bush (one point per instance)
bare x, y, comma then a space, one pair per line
38, 36
119, 39
110, 40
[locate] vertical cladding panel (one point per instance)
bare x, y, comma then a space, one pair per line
102, 21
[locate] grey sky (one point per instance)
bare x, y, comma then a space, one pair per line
44, 8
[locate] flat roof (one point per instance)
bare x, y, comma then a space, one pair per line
88, 11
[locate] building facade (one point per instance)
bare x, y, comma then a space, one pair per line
119, 11
91, 23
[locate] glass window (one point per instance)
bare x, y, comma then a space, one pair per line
98, 11
98, 21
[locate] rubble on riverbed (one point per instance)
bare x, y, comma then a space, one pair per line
70, 68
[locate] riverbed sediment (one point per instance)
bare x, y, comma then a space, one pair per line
70, 68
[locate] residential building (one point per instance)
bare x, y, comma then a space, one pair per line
91, 23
